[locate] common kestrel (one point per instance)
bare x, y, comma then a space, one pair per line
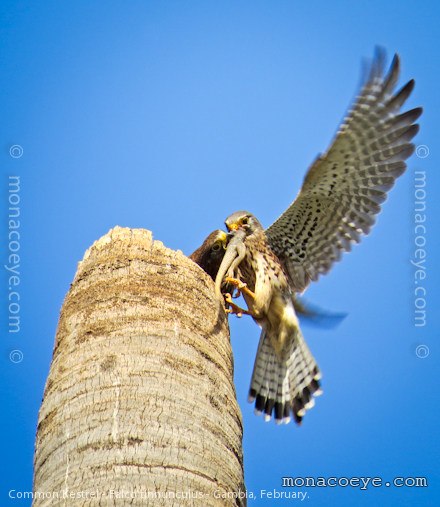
341, 194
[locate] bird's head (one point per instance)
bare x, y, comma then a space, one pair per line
243, 220
210, 254
219, 240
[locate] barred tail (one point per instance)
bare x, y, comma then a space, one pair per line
284, 386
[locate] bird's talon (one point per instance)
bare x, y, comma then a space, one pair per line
236, 282
233, 308
241, 287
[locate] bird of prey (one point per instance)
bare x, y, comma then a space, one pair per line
341, 194
209, 257
210, 254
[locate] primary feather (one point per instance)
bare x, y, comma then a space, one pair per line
343, 190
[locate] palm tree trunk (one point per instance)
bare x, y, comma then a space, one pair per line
139, 407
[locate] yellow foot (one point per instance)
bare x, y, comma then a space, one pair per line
241, 287
233, 308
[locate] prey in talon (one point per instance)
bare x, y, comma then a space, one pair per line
226, 275
209, 257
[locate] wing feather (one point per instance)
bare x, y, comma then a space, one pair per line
343, 190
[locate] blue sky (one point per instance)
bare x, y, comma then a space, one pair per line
171, 115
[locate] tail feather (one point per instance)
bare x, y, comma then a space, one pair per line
264, 371
285, 386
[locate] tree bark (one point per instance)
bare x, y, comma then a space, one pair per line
139, 406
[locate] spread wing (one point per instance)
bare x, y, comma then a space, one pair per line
344, 188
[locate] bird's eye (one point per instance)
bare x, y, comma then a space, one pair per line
216, 246
245, 220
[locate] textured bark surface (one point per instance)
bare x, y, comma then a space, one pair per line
139, 406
